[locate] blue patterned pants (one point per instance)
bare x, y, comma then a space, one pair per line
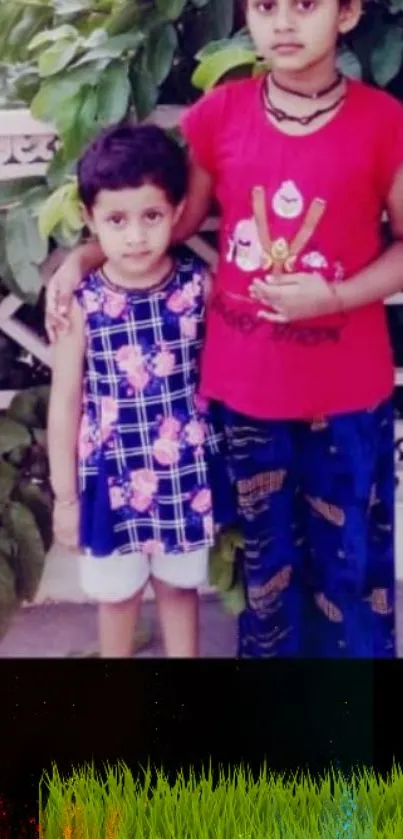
315, 502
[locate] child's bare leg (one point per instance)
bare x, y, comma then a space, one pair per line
179, 617
116, 626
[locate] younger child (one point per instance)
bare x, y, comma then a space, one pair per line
129, 444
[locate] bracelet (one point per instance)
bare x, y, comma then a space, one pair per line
68, 503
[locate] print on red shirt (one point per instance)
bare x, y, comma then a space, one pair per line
296, 204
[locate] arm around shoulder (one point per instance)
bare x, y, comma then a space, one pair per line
197, 203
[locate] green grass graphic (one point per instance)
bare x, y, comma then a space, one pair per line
113, 805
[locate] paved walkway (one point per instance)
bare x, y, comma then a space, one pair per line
67, 629
64, 630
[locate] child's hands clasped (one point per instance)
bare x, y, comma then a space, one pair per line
65, 524
295, 297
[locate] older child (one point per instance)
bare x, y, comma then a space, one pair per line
303, 163
129, 443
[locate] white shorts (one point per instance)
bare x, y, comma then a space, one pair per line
118, 577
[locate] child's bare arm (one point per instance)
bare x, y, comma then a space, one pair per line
384, 277
63, 425
198, 199
60, 289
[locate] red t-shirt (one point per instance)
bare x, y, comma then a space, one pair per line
342, 173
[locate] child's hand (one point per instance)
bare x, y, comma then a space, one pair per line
59, 296
295, 297
65, 524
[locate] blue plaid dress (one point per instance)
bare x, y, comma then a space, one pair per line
146, 442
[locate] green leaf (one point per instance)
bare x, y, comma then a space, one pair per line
144, 90
171, 9
349, 64
29, 562
32, 21
240, 39
8, 479
30, 407
77, 122
234, 600
220, 18
7, 545
113, 94
161, 46
53, 93
17, 189
8, 597
12, 435
39, 502
59, 170
71, 7
124, 18
50, 36
29, 282
24, 243
60, 205
113, 48
18, 456
97, 38
18, 25
220, 573
386, 58
24, 251
57, 57
215, 66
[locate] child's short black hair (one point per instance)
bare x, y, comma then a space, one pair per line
244, 3
127, 155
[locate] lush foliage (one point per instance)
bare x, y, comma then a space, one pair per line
224, 570
90, 805
82, 64
25, 501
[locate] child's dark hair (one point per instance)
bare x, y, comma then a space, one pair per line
244, 4
127, 155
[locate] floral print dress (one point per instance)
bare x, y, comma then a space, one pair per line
146, 442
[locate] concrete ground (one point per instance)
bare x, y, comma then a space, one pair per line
69, 629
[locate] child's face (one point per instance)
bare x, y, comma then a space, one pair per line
134, 227
295, 35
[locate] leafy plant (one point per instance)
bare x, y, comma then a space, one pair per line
25, 500
83, 64
224, 570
